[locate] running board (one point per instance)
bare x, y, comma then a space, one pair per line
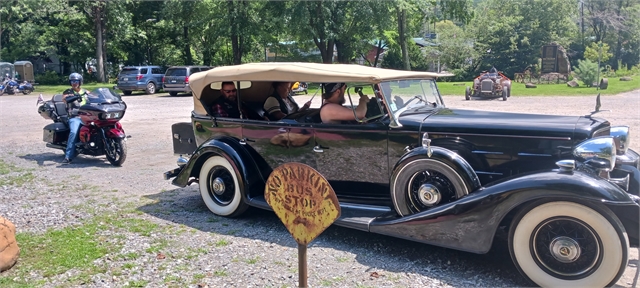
354, 216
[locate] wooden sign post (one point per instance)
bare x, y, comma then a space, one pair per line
306, 204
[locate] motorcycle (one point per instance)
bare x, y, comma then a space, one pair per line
25, 88
11, 86
101, 132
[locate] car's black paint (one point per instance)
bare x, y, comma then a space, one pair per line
470, 223
506, 152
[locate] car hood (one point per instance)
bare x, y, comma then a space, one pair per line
461, 121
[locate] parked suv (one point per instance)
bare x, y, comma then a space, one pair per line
176, 79
140, 78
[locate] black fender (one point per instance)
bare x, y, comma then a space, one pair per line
232, 150
447, 156
470, 223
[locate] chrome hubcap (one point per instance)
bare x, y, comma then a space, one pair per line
218, 186
429, 194
565, 249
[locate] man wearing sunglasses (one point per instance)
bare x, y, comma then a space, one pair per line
227, 104
77, 97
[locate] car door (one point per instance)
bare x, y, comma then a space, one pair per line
269, 139
157, 75
353, 157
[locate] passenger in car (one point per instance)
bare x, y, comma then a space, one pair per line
227, 104
280, 103
332, 110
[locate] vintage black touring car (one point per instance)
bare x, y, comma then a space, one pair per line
564, 188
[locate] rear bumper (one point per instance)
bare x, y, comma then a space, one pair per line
172, 173
131, 87
185, 88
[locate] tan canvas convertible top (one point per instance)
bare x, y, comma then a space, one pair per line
296, 72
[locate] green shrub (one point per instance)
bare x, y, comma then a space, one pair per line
50, 78
587, 72
623, 70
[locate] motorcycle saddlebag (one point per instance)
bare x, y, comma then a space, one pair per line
55, 133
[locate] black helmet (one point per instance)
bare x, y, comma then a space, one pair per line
493, 70
75, 77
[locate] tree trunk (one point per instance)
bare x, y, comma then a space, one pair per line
188, 58
402, 22
378, 51
343, 54
98, 14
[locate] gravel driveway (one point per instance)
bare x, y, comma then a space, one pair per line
190, 247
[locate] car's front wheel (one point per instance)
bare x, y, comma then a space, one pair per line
151, 88
562, 244
425, 183
467, 94
126, 92
505, 93
173, 93
220, 188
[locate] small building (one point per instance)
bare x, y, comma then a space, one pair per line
25, 71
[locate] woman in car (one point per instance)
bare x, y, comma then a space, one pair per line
280, 103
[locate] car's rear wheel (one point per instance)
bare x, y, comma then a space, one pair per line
173, 93
126, 92
151, 88
425, 183
220, 188
562, 244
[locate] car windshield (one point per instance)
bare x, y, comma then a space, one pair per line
103, 95
177, 72
129, 71
408, 94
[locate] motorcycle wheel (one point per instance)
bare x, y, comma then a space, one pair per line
116, 151
26, 92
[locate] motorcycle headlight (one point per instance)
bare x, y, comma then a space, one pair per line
599, 152
621, 138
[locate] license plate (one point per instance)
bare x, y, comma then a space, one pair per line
173, 81
125, 79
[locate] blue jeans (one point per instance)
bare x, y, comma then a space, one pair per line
74, 127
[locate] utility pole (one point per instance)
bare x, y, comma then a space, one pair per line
582, 21
1, 36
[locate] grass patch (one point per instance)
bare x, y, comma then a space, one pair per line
517, 89
12, 175
220, 273
253, 260
56, 251
134, 225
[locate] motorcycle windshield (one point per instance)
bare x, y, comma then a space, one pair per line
103, 96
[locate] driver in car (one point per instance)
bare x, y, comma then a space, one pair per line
332, 110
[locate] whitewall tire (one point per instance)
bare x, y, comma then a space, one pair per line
566, 244
220, 189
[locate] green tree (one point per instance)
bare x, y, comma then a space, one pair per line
593, 51
511, 33
587, 72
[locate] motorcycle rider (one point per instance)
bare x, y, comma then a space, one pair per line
75, 80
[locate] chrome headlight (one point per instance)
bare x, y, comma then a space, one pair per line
599, 152
621, 137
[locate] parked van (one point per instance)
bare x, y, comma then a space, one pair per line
176, 79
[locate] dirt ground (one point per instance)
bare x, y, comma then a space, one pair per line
149, 117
